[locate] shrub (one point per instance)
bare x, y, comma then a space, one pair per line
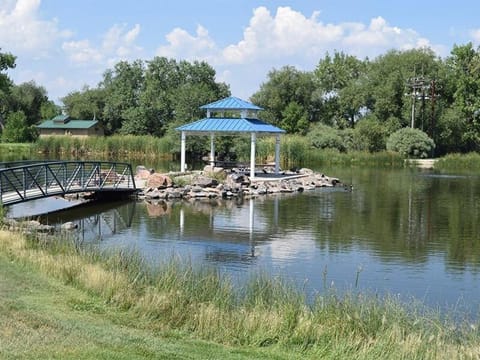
410, 143
325, 137
370, 135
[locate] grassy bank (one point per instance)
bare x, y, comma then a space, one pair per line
166, 306
459, 162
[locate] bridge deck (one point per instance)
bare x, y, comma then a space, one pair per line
38, 180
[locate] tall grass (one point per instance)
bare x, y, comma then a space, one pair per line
204, 303
296, 151
116, 145
459, 162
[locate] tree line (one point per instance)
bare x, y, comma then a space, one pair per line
344, 103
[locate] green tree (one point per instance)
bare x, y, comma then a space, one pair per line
389, 79
294, 119
342, 82
370, 135
464, 64
122, 85
29, 98
85, 104
7, 61
284, 87
17, 129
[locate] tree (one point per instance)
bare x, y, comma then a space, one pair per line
7, 61
86, 104
341, 81
464, 65
16, 128
122, 85
389, 78
29, 98
284, 87
294, 119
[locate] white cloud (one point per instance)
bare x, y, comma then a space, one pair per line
82, 52
22, 31
183, 45
288, 33
118, 44
288, 37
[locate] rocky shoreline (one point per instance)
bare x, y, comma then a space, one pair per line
212, 183
208, 184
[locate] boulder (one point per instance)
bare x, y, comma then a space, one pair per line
204, 181
142, 173
159, 181
69, 226
305, 171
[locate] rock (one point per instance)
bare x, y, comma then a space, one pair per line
142, 173
68, 226
156, 194
204, 181
305, 171
174, 193
159, 181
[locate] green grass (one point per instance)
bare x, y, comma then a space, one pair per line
459, 162
15, 151
42, 317
116, 145
83, 303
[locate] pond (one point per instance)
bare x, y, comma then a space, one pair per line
407, 232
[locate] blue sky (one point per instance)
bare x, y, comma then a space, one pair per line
65, 45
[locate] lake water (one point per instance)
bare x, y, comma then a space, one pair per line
407, 232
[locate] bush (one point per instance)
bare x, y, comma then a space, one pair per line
370, 135
410, 143
325, 137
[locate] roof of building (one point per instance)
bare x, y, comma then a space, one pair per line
231, 103
230, 125
64, 123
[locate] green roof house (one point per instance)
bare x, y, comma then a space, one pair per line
64, 125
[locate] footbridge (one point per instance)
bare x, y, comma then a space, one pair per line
25, 181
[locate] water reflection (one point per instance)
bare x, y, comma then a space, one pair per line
411, 232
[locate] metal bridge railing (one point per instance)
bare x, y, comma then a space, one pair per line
33, 181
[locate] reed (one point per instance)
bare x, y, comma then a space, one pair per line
459, 162
264, 312
117, 145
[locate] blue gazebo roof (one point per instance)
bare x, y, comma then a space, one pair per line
244, 124
230, 125
231, 103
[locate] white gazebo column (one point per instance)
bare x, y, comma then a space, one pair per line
212, 150
277, 153
252, 155
182, 152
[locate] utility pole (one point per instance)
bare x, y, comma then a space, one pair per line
418, 85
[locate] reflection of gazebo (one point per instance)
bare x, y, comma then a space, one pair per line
220, 120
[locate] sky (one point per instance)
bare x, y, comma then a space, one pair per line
67, 45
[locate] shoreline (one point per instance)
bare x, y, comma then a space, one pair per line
213, 183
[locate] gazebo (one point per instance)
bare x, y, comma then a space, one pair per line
220, 120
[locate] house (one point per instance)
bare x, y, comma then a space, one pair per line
64, 125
